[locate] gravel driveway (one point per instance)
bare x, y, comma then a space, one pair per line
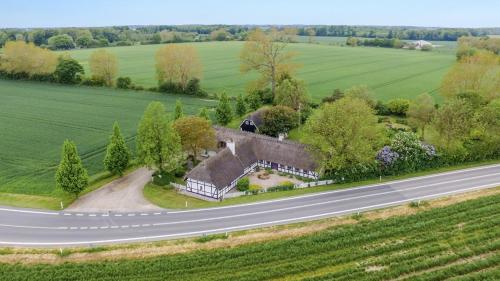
122, 195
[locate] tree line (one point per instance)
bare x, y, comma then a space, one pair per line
178, 68
399, 32
69, 38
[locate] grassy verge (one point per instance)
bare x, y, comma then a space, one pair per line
54, 202
442, 240
166, 197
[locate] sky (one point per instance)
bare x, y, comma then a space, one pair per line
65, 13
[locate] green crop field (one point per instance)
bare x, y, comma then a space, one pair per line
35, 118
458, 242
389, 72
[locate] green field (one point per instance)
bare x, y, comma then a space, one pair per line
458, 242
35, 118
389, 72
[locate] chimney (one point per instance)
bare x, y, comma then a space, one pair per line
231, 145
281, 137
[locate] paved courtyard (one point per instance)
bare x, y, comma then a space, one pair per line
273, 180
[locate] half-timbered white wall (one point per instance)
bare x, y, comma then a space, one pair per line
210, 190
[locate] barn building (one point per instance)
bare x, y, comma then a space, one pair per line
240, 152
252, 122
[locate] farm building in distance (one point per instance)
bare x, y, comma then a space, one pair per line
421, 43
240, 153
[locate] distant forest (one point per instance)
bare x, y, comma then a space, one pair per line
69, 38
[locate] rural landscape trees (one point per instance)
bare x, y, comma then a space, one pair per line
267, 54
104, 66
71, 176
178, 64
344, 134
117, 153
25, 59
196, 133
158, 144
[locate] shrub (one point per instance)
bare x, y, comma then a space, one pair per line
278, 119
398, 106
93, 81
124, 83
180, 172
282, 187
243, 184
193, 88
170, 87
254, 189
381, 108
162, 179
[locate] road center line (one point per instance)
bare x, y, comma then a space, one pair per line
239, 227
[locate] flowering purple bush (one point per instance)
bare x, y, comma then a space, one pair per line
430, 150
387, 156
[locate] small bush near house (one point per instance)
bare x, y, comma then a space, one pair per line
282, 187
162, 179
243, 184
254, 188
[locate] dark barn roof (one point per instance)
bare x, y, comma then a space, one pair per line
224, 167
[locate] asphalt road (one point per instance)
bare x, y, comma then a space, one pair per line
23, 227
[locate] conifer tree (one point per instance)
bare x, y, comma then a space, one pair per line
178, 113
241, 107
204, 113
71, 176
223, 112
117, 154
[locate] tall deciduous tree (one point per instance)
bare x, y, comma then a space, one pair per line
158, 145
178, 111
178, 64
479, 73
21, 57
292, 93
421, 112
453, 123
196, 133
104, 65
223, 112
117, 153
266, 53
343, 133
241, 107
71, 176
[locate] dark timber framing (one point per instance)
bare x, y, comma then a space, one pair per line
241, 152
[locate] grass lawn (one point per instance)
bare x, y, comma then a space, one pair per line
458, 241
167, 197
389, 72
35, 119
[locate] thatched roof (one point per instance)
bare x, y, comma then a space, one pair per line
224, 167
256, 117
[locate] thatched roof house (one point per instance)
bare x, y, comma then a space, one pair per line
240, 153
